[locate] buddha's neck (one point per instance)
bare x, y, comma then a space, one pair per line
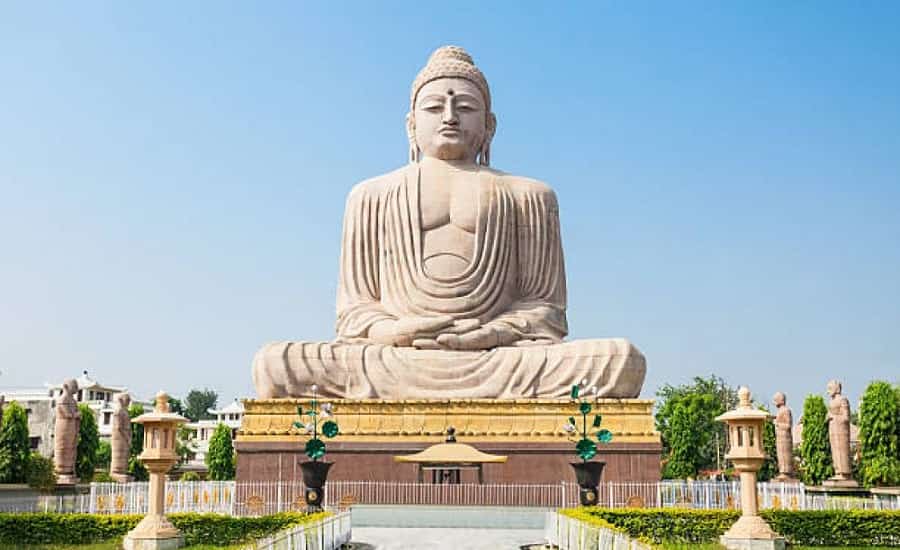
450, 165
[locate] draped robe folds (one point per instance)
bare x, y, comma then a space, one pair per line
121, 442
65, 441
515, 280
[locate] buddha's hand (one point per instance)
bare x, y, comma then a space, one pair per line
485, 337
402, 332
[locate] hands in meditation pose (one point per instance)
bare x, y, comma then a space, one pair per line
452, 282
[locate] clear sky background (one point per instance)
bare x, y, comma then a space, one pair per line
173, 176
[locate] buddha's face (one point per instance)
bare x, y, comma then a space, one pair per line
778, 399
450, 119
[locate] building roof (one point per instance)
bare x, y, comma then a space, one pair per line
451, 453
86, 382
232, 408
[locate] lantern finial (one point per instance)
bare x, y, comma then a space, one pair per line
744, 397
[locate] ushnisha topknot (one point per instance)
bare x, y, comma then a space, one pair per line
450, 62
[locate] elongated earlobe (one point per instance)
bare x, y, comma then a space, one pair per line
414, 153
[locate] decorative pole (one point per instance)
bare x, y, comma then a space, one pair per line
587, 473
155, 532
746, 427
315, 472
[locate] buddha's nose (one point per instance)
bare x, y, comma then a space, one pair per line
449, 115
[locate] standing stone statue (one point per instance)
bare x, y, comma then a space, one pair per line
784, 439
65, 445
121, 439
452, 281
839, 436
2, 404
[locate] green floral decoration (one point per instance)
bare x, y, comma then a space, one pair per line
585, 447
315, 447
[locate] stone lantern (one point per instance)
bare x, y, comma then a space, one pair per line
746, 426
155, 532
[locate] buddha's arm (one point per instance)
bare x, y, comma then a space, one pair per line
358, 294
540, 312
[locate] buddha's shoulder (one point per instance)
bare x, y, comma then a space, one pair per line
521, 185
377, 185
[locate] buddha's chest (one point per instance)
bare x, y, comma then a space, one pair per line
449, 213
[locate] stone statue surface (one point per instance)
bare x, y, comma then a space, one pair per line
452, 282
65, 443
121, 439
838, 419
2, 404
784, 439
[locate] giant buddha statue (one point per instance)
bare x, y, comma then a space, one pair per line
452, 282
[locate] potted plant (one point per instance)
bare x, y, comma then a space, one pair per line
315, 470
587, 473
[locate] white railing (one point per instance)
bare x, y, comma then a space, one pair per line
326, 534
214, 497
571, 534
60, 504
264, 498
343, 493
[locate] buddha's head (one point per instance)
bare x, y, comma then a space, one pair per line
124, 400
70, 386
779, 399
834, 388
450, 114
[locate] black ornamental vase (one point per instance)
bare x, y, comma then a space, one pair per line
587, 474
314, 475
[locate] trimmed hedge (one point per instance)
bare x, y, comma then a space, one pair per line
805, 527
86, 528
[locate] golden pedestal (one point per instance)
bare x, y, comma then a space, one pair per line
529, 431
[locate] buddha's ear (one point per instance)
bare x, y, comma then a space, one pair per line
490, 126
411, 136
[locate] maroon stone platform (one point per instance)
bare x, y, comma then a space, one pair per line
364, 461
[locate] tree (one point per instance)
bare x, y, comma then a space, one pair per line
879, 435
686, 437
14, 447
769, 468
690, 435
220, 458
815, 450
104, 455
88, 443
40, 474
198, 402
136, 468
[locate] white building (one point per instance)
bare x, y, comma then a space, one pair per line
203, 430
36, 403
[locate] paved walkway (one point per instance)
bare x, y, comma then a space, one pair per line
406, 538
390, 527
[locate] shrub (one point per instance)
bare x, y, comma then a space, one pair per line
104, 455
220, 458
808, 527
102, 476
190, 476
879, 435
670, 524
40, 474
88, 442
815, 450
14, 448
211, 529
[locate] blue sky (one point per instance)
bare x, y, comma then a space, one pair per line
172, 177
